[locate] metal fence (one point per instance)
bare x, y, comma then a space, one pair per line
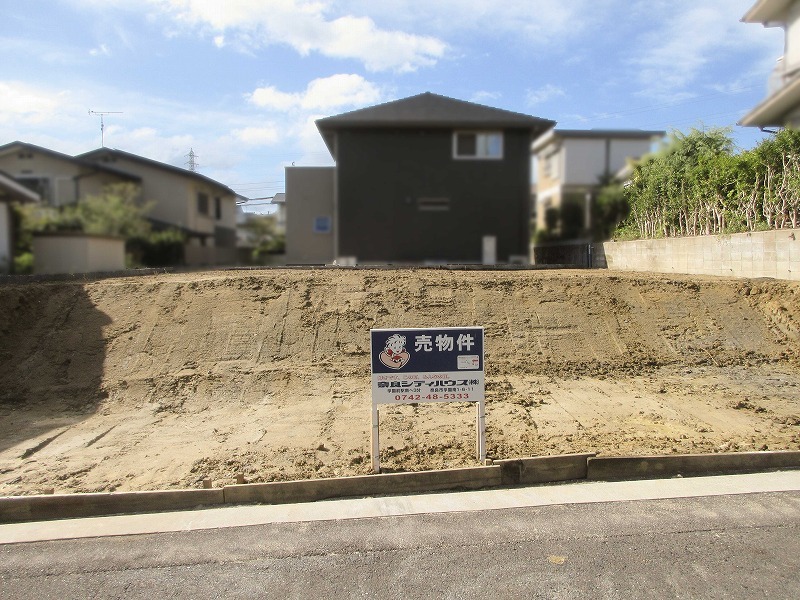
575, 255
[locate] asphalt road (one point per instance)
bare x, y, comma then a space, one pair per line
737, 546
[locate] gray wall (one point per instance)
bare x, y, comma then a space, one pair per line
309, 195
382, 174
761, 254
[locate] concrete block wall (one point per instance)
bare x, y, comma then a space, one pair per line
773, 254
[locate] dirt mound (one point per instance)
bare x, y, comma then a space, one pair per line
162, 381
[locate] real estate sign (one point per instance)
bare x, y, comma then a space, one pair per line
427, 365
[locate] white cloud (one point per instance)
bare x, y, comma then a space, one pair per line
152, 143
544, 94
272, 98
306, 26
539, 22
691, 38
101, 50
321, 94
313, 148
258, 136
485, 97
29, 104
340, 90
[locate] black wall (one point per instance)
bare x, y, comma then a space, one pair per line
383, 173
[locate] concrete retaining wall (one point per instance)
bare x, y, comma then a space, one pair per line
524, 471
760, 254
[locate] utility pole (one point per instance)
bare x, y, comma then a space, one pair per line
102, 124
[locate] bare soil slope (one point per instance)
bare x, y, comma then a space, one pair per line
161, 381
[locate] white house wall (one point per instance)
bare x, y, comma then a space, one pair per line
792, 51
623, 150
585, 159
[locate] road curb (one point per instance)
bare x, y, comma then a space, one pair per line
282, 492
544, 469
507, 472
616, 468
16, 509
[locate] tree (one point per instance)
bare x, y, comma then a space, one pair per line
610, 208
117, 211
685, 188
262, 231
775, 165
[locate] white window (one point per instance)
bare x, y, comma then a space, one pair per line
478, 145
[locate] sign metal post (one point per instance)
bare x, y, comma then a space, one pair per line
416, 365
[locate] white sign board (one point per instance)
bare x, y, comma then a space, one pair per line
427, 365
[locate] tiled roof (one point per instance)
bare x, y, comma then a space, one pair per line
433, 110
430, 111
94, 156
79, 161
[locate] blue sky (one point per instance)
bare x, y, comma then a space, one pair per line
241, 81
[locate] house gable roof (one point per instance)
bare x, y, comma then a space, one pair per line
17, 146
430, 111
96, 155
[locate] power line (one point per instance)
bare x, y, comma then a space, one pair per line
663, 105
258, 182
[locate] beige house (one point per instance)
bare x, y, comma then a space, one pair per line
58, 179
570, 164
204, 209
781, 107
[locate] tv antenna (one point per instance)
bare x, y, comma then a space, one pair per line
102, 124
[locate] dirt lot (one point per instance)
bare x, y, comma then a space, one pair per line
160, 381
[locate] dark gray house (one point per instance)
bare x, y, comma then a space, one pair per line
422, 179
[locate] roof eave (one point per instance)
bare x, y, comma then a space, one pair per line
19, 191
772, 111
162, 166
766, 12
